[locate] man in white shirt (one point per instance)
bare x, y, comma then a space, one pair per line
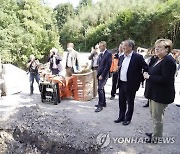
131, 66
125, 65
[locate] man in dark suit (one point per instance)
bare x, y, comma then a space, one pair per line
104, 64
131, 67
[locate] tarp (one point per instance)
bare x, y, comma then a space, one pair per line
15, 79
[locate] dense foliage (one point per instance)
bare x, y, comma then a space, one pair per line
113, 21
29, 27
26, 27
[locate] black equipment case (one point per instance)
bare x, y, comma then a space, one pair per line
50, 92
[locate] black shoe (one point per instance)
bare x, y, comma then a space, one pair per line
152, 140
149, 134
30, 94
149, 140
126, 122
112, 98
146, 105
99, 109
118, 120
178, 105
98, 105
104, 105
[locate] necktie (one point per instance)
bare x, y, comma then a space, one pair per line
100, 58
67, 59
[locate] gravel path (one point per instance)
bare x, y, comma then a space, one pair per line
29, 126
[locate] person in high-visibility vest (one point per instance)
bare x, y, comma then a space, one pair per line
114, 71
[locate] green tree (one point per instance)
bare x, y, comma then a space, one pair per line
26, 28
63, 11
113, 21
83, 3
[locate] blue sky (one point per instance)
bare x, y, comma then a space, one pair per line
53, 3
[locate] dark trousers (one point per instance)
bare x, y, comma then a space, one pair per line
126, 101
101, 92
178, 68
114, 84
31, 79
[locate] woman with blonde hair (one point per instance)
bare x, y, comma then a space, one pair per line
160, 88
55, 61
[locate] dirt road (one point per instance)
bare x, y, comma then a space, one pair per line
29, 126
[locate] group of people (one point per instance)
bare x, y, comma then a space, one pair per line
55, 65
159, 75
131, 71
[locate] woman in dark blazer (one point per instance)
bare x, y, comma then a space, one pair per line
150, 62
160, 88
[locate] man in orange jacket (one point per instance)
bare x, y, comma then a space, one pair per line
115, 73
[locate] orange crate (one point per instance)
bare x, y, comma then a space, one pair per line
83, 86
